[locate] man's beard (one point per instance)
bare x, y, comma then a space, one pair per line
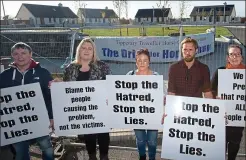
189, 59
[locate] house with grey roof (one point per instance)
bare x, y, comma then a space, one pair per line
93, 16
153, 15
213, 14
45, 15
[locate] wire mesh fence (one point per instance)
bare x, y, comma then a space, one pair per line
54, 49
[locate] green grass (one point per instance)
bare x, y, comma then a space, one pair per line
155, 31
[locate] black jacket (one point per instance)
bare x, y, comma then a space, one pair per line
13, 77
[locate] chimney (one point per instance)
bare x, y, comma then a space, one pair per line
60, 5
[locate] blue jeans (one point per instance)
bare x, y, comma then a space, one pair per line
149, 137
22, 148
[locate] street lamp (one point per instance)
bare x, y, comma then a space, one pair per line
224, 12
153, 13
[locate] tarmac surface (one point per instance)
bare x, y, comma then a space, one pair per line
126, 139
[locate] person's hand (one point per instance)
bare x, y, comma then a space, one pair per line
226, 120
52, 125
57, 80
219, 97
164, 100
163, 117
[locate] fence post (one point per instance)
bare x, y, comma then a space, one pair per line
180, 40
72, 46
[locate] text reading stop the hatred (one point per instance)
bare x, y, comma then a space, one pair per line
21, 110
135, 101
6, 110
193, 127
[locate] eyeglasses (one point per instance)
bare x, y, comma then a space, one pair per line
231, 55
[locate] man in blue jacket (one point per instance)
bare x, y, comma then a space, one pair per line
24, 70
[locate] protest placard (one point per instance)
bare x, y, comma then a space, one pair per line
136, 102
193, 129
236, 115
22, 109
233, 91
80, 107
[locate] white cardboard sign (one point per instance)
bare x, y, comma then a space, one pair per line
231, 88
23, 114
80, 107
193, 129
135, 102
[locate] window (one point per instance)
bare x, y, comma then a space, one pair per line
54, 19
217, 18
50, 20
200, 18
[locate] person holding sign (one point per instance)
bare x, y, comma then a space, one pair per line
233, 134
189, 77
24, 70
145, 136
85, 67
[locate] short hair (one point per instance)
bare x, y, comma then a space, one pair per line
21, 45
235, 46
143, 51
77, 56
189, 40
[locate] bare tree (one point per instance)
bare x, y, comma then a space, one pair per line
119, 5
183, 7
162, 4
79, 6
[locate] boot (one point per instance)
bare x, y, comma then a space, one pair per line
93, 156
142, 157
104, 157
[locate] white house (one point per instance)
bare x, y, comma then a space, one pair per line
92, 16
153, 15
44, 15
213, 14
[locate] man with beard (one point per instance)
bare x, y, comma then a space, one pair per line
189, 77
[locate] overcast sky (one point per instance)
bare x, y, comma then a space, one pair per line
12, 7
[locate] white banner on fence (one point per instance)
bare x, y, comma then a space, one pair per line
193, 129
22, 109
233, 91
162, 49
80, 107
136, 102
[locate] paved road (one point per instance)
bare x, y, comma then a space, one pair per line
127, 140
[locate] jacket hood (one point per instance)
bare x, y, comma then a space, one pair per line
32, 67
33, 64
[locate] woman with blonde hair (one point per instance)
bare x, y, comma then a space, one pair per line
85, 67
144, 137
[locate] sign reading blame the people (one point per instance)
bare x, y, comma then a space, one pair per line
136, 102
79, 107
22, 109
193, 129
233, 91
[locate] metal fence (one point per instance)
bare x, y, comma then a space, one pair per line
54, 48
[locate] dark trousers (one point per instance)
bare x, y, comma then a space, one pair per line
233, 140
103, 142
